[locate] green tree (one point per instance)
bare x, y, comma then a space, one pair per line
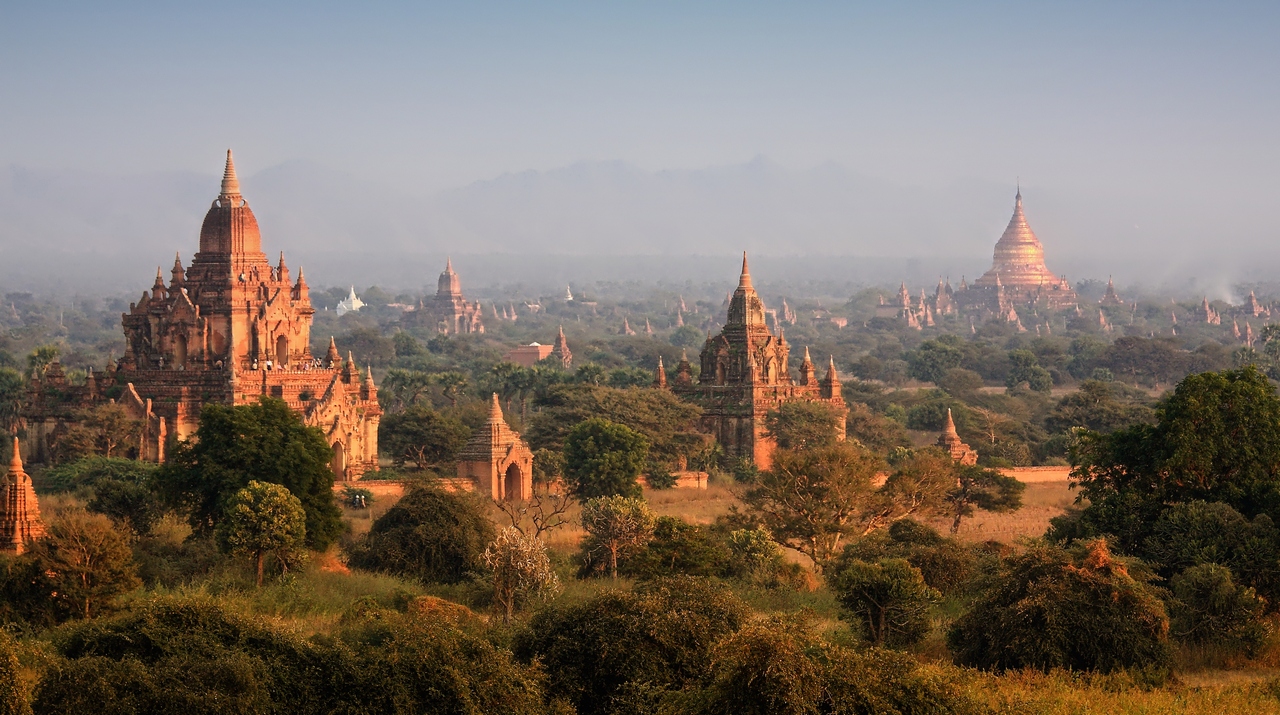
404, 388
812, 499
85, 563
602, 458
982, 488
430, 534
931, 361
266, 442
668, 423
422, 436
132, 505
520, 568
1025, 367
1052, 608
14, 698
618, 526
889, 599
1216, 439
264, 519
1098, 406
801, 423
40, 359
13, 395
452, 384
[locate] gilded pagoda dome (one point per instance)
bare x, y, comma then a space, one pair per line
1019, 256
230, 226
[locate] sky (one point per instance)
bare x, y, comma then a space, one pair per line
1143, 126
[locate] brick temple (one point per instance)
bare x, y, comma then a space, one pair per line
231, 328
744, 374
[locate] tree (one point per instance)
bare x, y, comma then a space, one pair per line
1051, 608
931, 361
811, 499
114, 429
984, 489
14, 698
264, 519
919, 485
667, 422
520, 567
602, 458
266, 442
452, 385
1025, 367
430, 534
423, 436
802, 423
619, 525
889, 599
40, 359
85, 562
1216, 439
405, 388
13, 395
131, 504
1097, 406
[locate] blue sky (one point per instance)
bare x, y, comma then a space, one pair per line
1173, 104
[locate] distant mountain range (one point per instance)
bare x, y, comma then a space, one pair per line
88, 230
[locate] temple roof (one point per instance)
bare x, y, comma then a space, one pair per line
230, 226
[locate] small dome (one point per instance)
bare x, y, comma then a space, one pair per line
230, 226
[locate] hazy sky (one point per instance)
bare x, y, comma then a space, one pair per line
1172, 104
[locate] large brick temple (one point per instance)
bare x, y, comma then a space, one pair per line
744, 374
231, 328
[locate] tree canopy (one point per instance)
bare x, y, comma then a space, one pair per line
267, 442
602, 458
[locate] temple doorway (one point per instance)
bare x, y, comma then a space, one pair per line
282, 351
339, 463
180, 352
511, 484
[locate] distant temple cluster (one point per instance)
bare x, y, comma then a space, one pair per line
1018, 279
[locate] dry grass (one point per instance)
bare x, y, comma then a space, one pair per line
1081, 694
1040, 502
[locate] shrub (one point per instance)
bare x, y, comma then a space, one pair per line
1050, 608
14, 699
130, 504
889, 599
429, 534
678, 547
946, 564
89, 471
1198, 533
661, 634
1208, 607
618, 527
778, 666
520, 568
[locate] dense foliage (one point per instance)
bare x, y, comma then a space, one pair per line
430, 534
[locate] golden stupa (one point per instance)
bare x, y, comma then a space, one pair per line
1018, 267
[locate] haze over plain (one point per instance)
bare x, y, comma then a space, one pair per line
374, 139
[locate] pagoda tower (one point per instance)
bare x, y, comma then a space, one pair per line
497, 460
20, 522
950, 441
1018, 272
745, 374
447, 311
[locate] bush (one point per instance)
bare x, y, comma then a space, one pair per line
1050, 608
659, 635
1196, 533
889, 599
429, 534
778, 666
89, 471
1208, 607
14, 699
946, 564
678, 547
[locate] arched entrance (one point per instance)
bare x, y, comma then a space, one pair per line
282, 351
180, 352
511, 484
339, 463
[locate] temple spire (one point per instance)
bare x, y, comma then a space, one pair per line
744, 280
15, 462
949, 429
230, 184
495, 410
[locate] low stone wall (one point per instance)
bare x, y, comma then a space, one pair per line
1029, 475
397, 487
684, 480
